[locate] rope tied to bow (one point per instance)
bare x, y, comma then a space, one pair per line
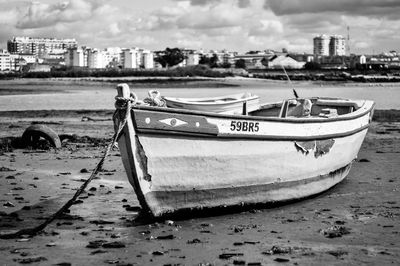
126, 104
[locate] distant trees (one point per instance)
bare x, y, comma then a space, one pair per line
240, 63
312, 66
170, 57
210, 61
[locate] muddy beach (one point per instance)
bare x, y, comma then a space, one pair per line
357, 222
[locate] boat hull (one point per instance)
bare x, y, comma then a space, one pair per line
207, 173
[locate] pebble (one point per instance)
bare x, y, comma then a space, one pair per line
158, 253
8, 204
115, 244
281, 260
84, 170
166, 237
225, 256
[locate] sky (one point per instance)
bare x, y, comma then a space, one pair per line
234, 25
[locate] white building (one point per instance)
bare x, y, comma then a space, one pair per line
337, 45
147, 59
130, 58
5, 60
137, 58
75, 57
40, 47
321, 45
96, 59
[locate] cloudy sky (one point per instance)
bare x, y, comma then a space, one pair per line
237, 25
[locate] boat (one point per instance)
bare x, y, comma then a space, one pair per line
180, 160
227, 104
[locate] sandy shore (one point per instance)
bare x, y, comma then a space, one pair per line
103, 227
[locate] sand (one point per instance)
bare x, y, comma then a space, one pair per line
357, 222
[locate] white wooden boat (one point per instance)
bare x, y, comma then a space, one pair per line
228, 104
189, 160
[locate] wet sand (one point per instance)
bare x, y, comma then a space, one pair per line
357, 222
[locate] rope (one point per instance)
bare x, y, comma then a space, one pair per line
155, 99
127, 103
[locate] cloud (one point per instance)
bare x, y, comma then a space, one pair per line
354, 7
42, 15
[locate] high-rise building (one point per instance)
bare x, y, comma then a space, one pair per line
337, 45
325, 45
321, 45
39, 47
75, 57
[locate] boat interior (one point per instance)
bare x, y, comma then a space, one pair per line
306, 107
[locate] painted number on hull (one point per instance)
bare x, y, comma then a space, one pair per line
244, 126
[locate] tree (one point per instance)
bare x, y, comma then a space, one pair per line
312, 66
240, 63
170, 57
214, 61
210, 61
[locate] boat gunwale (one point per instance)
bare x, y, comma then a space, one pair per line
210, 103
350, 116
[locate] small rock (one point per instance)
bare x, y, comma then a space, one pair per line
84, 170
335, 231
119, 187
281, 260
133, 208
52, 244
166, 237
8, 204
158, 253
225, 256
101, 222
95, 243
6, 169
194, 241
31, 260
115, 244
10, 177
98, 251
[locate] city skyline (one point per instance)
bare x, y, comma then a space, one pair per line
239, 25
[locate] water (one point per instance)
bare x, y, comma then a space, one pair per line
96, 95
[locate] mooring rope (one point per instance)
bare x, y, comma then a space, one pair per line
122, 104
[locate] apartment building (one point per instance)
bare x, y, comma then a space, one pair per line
5, 60
337, 45
130, 58
325, 45
40, 47
75, 57
321, 45
137, 58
